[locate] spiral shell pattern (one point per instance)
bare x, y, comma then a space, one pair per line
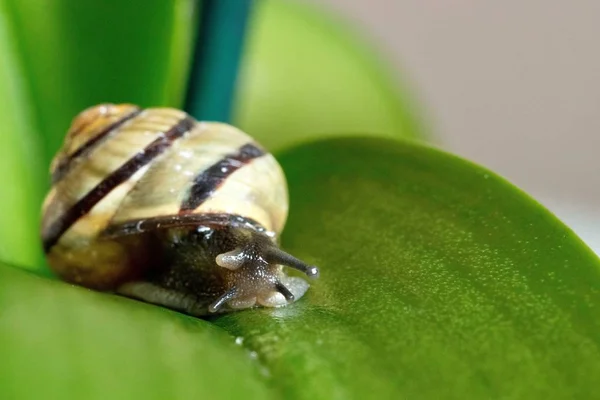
123, 169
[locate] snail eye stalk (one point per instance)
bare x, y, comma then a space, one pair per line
277, 256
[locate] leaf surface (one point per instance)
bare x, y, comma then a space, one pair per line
63, 342
76, 54
438, 280
21, 157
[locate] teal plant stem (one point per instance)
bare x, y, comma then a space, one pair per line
218, 52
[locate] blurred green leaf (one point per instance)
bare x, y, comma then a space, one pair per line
308, 75
438, 280
80, 53
21, 158
64, 342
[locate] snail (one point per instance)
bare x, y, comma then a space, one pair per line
153, 205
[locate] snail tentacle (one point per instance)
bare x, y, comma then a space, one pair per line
232, 260
277, 256
281, 288
229, 295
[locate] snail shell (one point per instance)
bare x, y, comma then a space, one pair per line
154, 205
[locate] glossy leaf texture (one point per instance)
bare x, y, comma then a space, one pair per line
307, 74
438, 280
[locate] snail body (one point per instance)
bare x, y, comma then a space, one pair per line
154, 205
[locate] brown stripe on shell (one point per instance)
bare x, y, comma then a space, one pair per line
86, 203
211, 178
63, 167
175, 221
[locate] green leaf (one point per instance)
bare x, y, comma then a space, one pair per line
80, 53
21, 158
60, 342
307, 75
438, 280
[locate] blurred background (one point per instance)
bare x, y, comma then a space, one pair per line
513, 85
